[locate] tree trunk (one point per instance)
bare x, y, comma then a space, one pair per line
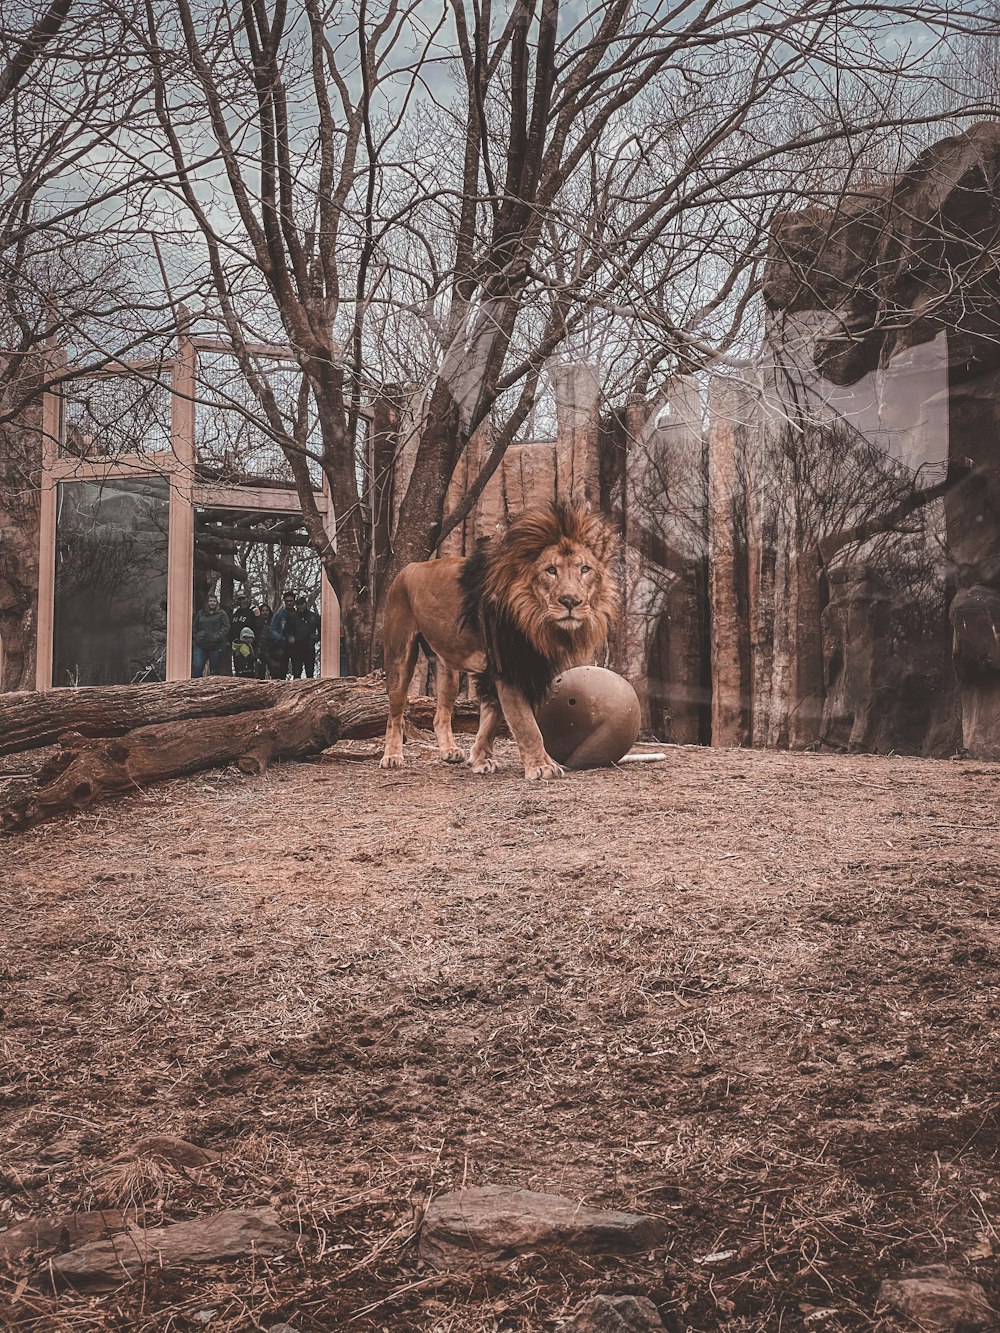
17, 650
358, 655
198, 724
20, 461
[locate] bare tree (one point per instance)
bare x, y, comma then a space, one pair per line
450, 197
77, 266
428, 204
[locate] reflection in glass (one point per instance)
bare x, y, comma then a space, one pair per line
231, 442
107, 416
111, 581
261, 554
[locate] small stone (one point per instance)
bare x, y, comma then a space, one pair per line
494, 1223
939, 1300
175, 1152
58, 1233
104, 1265
617, 1314
61, 1149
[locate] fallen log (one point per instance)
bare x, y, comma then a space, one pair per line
304, 718
31, 719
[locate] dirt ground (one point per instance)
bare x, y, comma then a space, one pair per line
755, 994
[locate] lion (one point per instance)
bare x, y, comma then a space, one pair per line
515, 614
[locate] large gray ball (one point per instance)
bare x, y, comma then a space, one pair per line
590, 718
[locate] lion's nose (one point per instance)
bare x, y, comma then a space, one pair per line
570, 602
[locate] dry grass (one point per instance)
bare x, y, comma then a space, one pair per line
752, 993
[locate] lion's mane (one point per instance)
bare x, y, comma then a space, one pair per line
524, 646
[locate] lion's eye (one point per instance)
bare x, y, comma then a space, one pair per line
551, 570
584, 569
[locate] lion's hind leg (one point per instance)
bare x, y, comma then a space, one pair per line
401, 648
490, 721
447, 693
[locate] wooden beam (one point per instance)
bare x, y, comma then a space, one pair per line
217, 496
180, 532
45, 623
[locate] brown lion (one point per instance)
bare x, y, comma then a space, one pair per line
524, 608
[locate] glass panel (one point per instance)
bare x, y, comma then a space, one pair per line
261, 555
230, 434
111, 581
105, 416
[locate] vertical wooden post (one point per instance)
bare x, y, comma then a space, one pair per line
47, 520
180, 531
329, 607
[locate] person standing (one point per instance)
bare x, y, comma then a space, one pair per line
242, 617
261, 626
244, 654
283, 627
209, 636
303, 654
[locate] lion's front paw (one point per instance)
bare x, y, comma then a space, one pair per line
453, 756
487, 765
545, 771
391, 761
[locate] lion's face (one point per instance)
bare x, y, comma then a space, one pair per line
564, 579
550, 576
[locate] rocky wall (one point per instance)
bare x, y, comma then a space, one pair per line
888, 310
665, 566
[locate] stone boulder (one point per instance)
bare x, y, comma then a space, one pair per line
494, 1223
529, 475
617, 1314
105, 1264
857, 656
939, 1300
898, 250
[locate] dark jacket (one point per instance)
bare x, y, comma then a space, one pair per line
211, 629
244, 658
308, 621
241, 619
285, 625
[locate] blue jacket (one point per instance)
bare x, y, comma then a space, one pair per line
280, 627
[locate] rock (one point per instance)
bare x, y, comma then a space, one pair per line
939, 1300
857, 657
103, 1265
175, 1152
58, 1233
494, 1223
617, 1314
975, 618
665, 570
865, 295
529, 475
577, 392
